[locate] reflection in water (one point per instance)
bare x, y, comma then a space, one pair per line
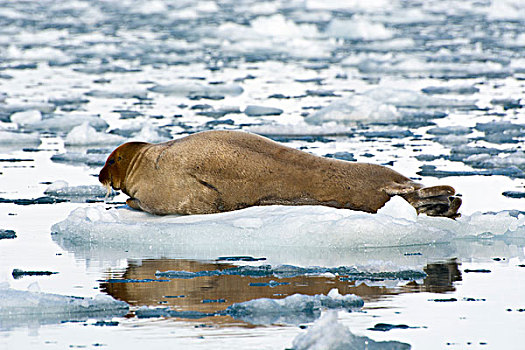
210, 294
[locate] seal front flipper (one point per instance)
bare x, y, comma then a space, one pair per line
133, 203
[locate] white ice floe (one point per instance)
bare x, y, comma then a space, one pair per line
276, 27
197, 89
26, 117
19, 307
43, 107
356, 5
293, 309
488, 161
379, 105
328, 333
149, 133
16, 138
300, 128
353, 109
280, 230
358, 28
61, 188
257, 111
65, 123
86, 135
506, 10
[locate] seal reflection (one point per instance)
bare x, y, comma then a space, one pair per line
210, 294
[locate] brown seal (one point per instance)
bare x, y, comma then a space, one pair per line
217, 171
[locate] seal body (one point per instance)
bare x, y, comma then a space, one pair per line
217, 171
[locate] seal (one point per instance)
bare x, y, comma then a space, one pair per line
218, 171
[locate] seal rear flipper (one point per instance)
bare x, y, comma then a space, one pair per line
435, 201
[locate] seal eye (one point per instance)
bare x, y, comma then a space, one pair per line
119, 159
111, 161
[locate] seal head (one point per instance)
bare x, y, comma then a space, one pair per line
118, 164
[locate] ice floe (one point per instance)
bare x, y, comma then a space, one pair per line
276, 231
257, 111
17, 138
193, 89
26, 117
85, 135
382, 105
65, 123
357, 28
81, 158
19, 307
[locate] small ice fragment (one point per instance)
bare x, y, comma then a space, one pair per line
358, 28
328, 333
257, 111
397, 207
33, 287
26, 117
86, 135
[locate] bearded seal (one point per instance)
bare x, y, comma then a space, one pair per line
218, 171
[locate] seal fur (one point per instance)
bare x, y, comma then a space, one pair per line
217, 171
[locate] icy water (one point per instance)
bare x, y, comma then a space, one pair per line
433, 89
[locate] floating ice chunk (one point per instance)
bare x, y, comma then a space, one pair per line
37, 54
506, 10
149, 133
65, 123
327, 333
488, 161
86, 135
357, 28
16, 138
356, 108
418, 66
455, 89
19, 307
276, 27
412, 16
355, 5
61, 188
257, 111
488, 225
294, 309
412, 99
26, 117
196, 89
126, 94
452, 140
43, 107
300, 128
91, 159
450, 130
